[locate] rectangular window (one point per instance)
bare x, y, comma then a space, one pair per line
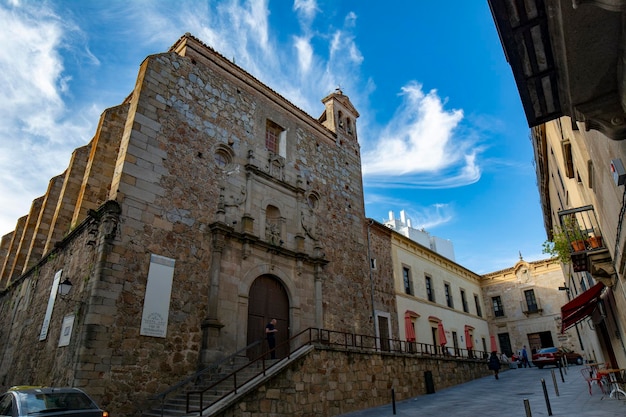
498, 310
406, 278
272, 136
464, 301
479, 311
531, 301
430, 294
448, 296
568, 161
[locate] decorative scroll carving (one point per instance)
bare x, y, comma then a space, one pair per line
309, 225
236, 201
604, 114
610, 5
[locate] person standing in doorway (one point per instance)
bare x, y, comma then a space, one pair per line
270, 334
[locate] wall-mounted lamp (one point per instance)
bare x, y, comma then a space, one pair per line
65, 287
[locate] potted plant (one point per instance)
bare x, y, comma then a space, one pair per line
595, 242
566, 239
558, 246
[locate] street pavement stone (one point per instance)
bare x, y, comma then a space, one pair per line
486, 397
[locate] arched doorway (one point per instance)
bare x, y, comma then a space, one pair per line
267, 300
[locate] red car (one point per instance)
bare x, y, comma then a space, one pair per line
554, 355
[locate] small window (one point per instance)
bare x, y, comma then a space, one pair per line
223, 156
430, 294
479, 311
498, 309
531, 301
273, 133
449, 301
221, 159
313, 200
568, 160
406, 278
464, 301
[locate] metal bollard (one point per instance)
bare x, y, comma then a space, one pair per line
527, 407
545, 394
561, 372
556, 387
393, 400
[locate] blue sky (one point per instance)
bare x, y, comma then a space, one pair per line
442, 130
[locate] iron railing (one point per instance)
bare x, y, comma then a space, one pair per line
331, 338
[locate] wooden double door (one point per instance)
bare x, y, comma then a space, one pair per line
268, 300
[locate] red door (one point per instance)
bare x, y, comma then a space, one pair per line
267, 300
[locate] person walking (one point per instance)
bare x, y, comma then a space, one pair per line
494, 364
525, 357
270, 334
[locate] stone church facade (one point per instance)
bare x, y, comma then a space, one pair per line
204, 205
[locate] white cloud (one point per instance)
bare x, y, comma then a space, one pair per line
305, 53
36, 136
420, 147
307, 9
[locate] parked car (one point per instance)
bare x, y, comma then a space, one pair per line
572, 357
554, 355
27, 401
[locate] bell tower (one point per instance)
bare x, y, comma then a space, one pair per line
340, 115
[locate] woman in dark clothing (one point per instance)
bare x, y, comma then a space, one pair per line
494, 364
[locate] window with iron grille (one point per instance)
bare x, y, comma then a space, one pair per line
272, 136
406, 277
448, 296
479, 311
430, 294
531, 301
464, 301
498, 309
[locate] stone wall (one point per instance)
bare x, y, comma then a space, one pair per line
332, 382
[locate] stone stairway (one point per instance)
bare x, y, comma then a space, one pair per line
176, 404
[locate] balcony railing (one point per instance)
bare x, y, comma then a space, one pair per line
581, 230
531, 308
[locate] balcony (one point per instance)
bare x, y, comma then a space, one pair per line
531, 308
587, 249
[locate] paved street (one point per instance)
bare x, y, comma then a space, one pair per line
505, 397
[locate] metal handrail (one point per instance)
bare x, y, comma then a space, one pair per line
261, 359
344, 340
194, 377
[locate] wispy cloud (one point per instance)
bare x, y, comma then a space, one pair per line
421, 146
306, 9
36, 131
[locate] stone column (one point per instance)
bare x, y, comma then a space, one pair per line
319, 311
211, 325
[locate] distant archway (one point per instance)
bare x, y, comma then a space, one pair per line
267, 300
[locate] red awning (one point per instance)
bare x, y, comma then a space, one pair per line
580, 307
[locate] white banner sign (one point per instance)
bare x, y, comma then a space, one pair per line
66, 330
156, 304
53, 295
